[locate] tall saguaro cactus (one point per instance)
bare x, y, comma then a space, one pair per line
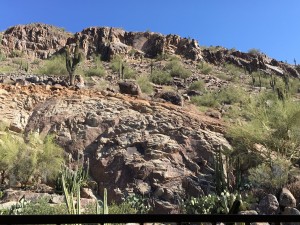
72, 62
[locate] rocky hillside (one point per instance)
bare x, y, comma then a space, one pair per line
132, 145
42, 41
137, 140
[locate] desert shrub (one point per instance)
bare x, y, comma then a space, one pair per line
145, 84
56, 65
231, 95
294, 86
116, 65
23, 65
123, 208
42, 207
36, 62
204, 67
227, 95
272, 174
7, 69
177, 70
2, 56
9, 147
207, 99
160, 77
270, 123
97, 69
197, 85
129, 73
254, 51
233, 70
37, 159
16, 53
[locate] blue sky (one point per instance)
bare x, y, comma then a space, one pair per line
273, 26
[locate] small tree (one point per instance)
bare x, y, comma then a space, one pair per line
72, 61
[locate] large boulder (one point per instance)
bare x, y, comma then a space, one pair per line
286, 199
172, 97
268, 205
129, 87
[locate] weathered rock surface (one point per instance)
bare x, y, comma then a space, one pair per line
129, 87
35, 40
172, 97
249, 62
132, 144
286, 199
109, 41
268, 205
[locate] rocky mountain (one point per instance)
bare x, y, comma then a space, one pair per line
42, 41
132, 142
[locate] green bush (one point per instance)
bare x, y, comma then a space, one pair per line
54, 66
23, 65
204, 68
16, 53
2, 56
95, 71
227, 95
254, 51
161, 77
208, 99
24, 162
233, 71
273, 174
116, 65
197, 85
42, 207
145, 84
270, 123
177, 70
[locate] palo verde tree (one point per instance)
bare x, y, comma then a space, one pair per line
72, 60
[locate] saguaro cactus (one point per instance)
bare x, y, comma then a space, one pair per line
72, 62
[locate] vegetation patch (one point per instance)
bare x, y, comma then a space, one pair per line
56, 65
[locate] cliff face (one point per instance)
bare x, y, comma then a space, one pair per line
41, 40
34, 40
111, 41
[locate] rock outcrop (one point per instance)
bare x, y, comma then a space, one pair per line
42, 41
249, 62
150, 148
34, 40
108, 41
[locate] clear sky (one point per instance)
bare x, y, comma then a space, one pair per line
273, 26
